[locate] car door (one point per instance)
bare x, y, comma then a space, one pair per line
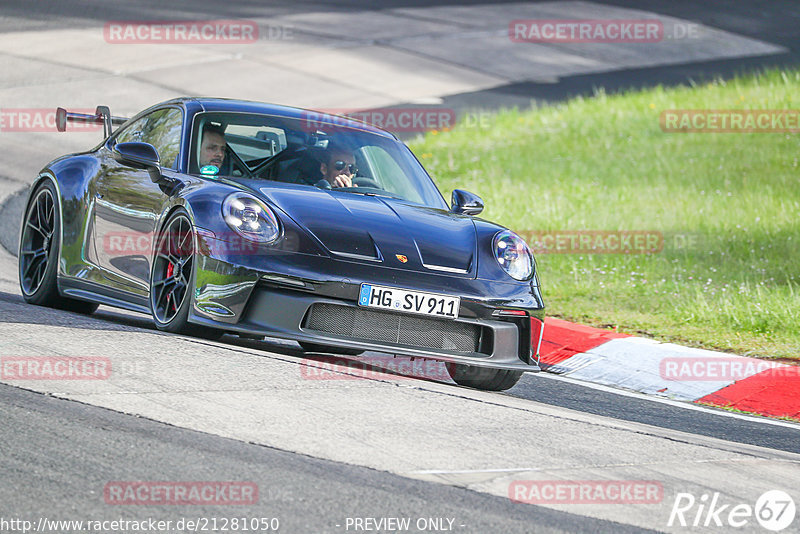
128, 203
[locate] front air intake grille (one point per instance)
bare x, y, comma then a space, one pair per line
372, 325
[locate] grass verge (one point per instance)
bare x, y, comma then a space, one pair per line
727, 206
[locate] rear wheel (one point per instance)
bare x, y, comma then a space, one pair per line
172, 278
482, 377
39, 252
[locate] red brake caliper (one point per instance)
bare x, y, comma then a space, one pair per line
170, 271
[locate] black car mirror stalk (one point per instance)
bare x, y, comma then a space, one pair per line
155, 174
170, 186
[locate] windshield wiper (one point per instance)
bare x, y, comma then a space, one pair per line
367, 193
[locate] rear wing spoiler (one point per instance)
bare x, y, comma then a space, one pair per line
101, 116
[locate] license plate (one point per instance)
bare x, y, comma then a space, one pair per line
403, 300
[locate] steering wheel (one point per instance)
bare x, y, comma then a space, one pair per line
363, 181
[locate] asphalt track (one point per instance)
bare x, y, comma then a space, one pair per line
58, 454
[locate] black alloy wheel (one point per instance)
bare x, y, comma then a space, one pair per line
39, 253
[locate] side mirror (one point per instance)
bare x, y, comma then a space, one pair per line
140, 156
466, 203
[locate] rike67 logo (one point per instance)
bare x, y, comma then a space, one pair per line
774, 510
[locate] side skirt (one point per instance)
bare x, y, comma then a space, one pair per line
93, 292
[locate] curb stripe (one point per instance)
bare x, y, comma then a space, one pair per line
604, 357
636, 363
774, 392
563, 339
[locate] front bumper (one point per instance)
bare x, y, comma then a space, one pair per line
307, 299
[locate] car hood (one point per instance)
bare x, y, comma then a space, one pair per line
382, 230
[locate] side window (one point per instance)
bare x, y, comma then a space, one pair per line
133, 133
162, 129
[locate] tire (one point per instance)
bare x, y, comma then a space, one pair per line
39, 253
172, 277
482, 377
327, 349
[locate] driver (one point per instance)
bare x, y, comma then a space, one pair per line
338, 166
212, 148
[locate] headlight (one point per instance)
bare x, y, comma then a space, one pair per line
250, 218
513, 255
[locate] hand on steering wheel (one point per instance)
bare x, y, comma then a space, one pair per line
363, 181
343, 180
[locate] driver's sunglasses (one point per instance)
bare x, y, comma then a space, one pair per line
340, 165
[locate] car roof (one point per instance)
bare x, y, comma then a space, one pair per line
211, 104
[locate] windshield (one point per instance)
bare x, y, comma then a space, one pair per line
314, 153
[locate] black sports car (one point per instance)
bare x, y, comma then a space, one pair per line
222, 216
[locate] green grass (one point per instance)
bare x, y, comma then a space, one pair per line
603, 163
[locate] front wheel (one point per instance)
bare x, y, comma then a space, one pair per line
482, 377
172, 278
